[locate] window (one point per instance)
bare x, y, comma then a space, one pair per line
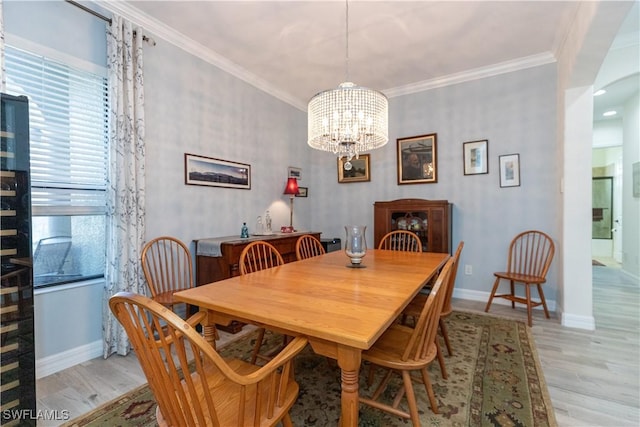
68, 125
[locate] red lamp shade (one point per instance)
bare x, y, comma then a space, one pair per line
291, 187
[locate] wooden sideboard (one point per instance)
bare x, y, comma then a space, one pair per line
225, 265
429, 219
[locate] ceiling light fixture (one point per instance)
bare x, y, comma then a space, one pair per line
350, 119
609, 113
599, 92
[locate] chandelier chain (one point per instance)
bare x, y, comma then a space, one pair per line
347, 41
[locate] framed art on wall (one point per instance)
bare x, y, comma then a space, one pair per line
475, 156
360, 170
417, 159
294, 172
208, 171
302, 192
509, 170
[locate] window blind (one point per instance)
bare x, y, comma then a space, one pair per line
68, 115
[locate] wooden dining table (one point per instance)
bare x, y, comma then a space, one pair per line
341, 310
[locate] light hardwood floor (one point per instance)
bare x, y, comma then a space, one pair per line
593, 376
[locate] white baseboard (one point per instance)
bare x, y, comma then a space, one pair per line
57, 362
567, 320
579, 322
483, 296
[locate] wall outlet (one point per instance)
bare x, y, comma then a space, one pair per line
468, 270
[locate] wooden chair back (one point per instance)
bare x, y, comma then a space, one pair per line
530, 254
401, 240
167, 266
424, 334
258, 256
192, 384
308, 246
447, 308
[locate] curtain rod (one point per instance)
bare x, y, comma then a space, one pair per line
92, 12
104, 18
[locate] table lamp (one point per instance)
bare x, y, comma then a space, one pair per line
292, 190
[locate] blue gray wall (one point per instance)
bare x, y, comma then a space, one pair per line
193, 107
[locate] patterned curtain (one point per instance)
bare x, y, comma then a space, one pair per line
3, 79
126, 205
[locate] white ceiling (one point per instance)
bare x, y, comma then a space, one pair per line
294, 49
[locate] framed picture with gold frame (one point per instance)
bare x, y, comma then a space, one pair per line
417, 159
360, 170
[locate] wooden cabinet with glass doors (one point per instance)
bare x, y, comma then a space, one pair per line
429, 219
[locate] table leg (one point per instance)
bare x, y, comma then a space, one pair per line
209, 330
349, 361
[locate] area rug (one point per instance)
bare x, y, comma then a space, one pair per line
495, 379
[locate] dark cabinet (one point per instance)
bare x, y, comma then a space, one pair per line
224, 263
17, 355
429, 219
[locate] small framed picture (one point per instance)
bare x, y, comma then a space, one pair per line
201, 170
476, 157
360, 170
417, 159
294, 172
509, 170
302, 192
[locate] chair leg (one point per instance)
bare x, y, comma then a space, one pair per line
493, 293
372, 373
445, 336
258, 344
443, 368
513, 293
383, 384
544, 302
430, 393
403, 319
528, 292
411, 398
286, 420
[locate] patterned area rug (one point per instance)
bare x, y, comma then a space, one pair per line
495, 379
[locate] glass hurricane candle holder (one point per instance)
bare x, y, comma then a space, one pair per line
356, 245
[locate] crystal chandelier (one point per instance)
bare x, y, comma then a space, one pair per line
348, 120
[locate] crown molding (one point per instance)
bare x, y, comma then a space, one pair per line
625, 40
475, 74
169, 34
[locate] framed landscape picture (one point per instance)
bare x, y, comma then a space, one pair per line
208, 171
360, 170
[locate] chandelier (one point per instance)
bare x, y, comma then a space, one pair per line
348, 120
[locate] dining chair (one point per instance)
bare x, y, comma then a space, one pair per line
256, 256
401, 240
414, 308
308, 246
259, 255
402, 349
530, 256
167, 267
191, 383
